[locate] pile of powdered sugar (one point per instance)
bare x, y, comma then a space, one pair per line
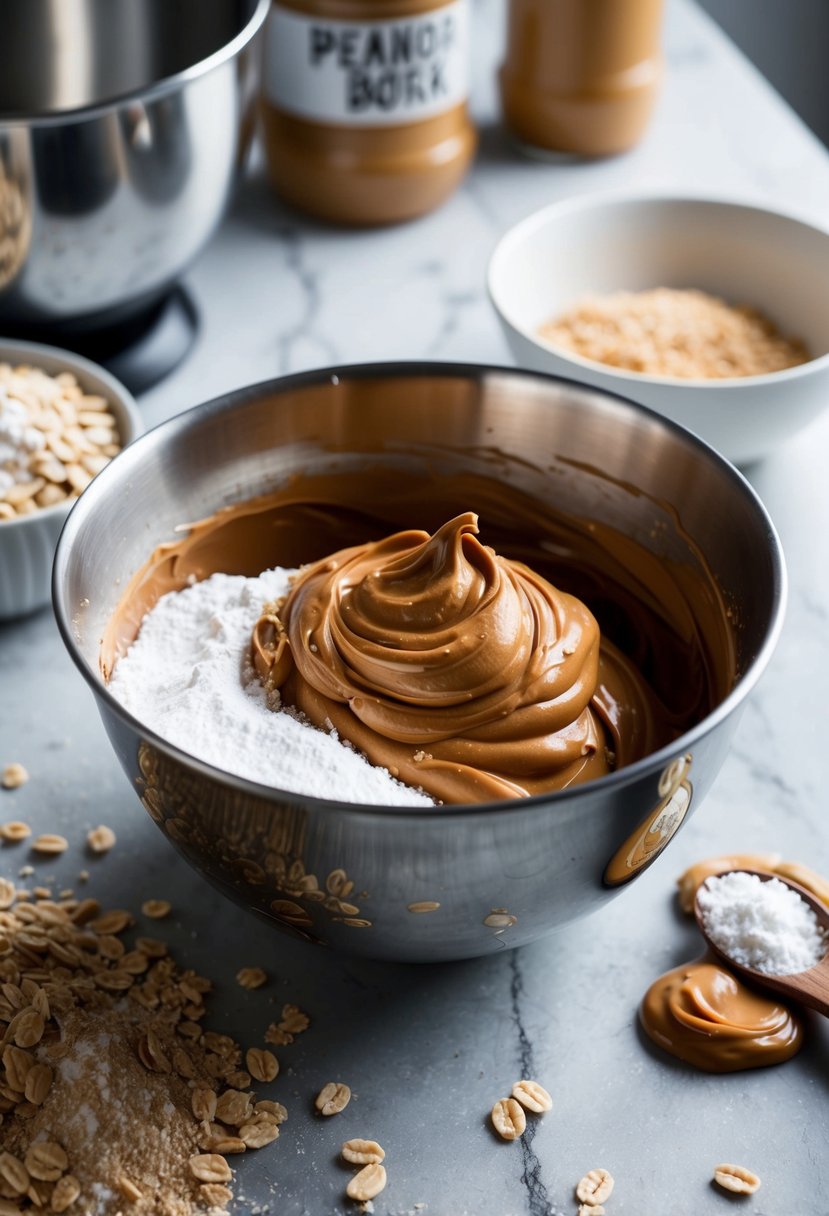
762, 924
188, 677
19, 441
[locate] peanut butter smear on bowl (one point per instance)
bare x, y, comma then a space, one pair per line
464, 673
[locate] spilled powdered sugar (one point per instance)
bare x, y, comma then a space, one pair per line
188, 677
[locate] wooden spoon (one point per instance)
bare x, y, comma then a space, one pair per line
809, 987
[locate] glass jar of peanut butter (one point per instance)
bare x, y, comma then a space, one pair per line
364, 106
581, 76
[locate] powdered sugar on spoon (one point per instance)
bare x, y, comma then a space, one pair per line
769, 930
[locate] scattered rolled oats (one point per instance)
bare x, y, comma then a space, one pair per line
46, 1161
275, 1109
134, 962
367, 1184
203, 1104
50, 843
15, 1061
209, 1167
363, 1152
38, 1083
14, 1173
277, 1036
262, 1065
100, 839
129, 1190
115, 921
14, 775
591, 1209
14, 831
151, 1053
234, 1107
737, 1179
251, 977
7, 893
156, 909
63, 960
258, 1132
224, 1143
508, 1119
594, 1188
333, 1098
67, 1189
39, 999
532, 1096
26, 1028
151, 947
216, 1195
294, 1021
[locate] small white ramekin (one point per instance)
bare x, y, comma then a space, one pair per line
27, 544
742, 252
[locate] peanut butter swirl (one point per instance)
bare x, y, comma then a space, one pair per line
706, 1016
462, 672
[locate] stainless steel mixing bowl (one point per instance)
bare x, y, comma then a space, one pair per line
451, 882
121, 124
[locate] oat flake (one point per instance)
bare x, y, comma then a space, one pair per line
98, 1130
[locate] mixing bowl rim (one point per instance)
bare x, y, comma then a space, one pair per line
122, 399
153, 91
234, 398
538, 220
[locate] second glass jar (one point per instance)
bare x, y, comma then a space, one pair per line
581, 76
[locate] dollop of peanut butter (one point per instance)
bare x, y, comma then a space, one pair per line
704, 1015
462, 672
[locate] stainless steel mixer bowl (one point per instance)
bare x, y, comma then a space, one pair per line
121, 125
453, 881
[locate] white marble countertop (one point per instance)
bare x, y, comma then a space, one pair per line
428, 1049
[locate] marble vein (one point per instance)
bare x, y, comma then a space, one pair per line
538, 1202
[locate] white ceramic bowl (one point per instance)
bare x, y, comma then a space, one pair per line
27, 544
744, 253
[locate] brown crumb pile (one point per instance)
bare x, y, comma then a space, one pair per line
665, 332
113, 1098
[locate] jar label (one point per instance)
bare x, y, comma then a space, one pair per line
367, 73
